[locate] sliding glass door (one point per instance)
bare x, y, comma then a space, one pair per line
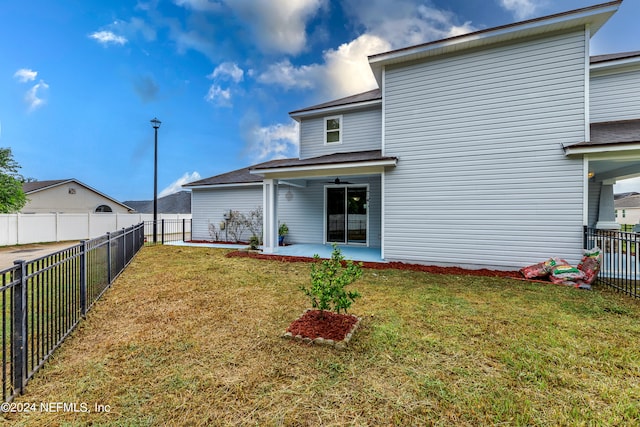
347, 215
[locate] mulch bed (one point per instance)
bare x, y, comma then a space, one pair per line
390, 265
323, 327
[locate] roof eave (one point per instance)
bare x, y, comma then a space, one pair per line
227, 185
618, 63
327, 167
602, 148
301, 114
594, 16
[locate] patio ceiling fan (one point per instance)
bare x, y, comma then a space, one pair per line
337, 181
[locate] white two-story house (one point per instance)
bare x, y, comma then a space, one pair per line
490, 149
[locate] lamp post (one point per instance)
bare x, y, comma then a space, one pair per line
156, 124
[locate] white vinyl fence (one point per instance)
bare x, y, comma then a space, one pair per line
20, 229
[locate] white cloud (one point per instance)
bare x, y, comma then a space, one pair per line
627, 185
287, 75
176, 185
228, 70
33, 97
108, 37
277, 25
345, 70
25, 75
218, 96
387, 25
521, 9
272, 142
199, 5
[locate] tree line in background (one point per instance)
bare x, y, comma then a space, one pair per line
12, 197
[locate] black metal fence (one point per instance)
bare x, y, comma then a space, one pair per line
620, 262
168, 230
43, 300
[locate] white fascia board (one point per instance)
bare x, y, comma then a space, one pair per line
603, 149
326, 167
335, 109
635, 61
210, 186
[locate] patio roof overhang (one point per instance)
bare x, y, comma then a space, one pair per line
339, 164
609, 139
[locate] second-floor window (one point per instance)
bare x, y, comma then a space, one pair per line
333, 130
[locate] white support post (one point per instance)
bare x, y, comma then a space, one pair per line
606, 211
270, 216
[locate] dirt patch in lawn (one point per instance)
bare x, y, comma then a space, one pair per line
390, 265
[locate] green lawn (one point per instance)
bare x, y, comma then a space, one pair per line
187, 336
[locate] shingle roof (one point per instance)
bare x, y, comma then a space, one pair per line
610, 133
238, 176
29, 187
371, 95
628, 202
244, 175
353, 157
176, 203
614, 56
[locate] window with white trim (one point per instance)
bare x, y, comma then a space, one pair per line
333, 130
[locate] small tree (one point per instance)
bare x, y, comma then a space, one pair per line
254, 223
236, 225
328, 280
12, 197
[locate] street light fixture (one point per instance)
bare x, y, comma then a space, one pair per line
156, 124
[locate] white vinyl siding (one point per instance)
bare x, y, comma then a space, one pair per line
360, 131
615, 96
304, 213
482, 179
208, 206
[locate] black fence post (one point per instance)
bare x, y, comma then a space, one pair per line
162, 230
124, 247
83, 278
109, 278
585, 237
19, 327
184, 231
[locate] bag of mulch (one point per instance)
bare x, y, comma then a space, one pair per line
541, 269
590, 266
565, 274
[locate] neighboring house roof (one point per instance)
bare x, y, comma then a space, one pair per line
245, 176
36, 186
608, 134
614, 57
628, 202
176, 203
364, 97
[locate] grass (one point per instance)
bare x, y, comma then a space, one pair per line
187, 336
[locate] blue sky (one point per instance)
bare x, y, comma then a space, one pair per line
81, 79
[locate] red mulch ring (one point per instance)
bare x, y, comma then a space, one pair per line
323, 324
390, 265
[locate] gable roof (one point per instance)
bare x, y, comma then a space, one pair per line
33, 186
36, 186
594, 16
